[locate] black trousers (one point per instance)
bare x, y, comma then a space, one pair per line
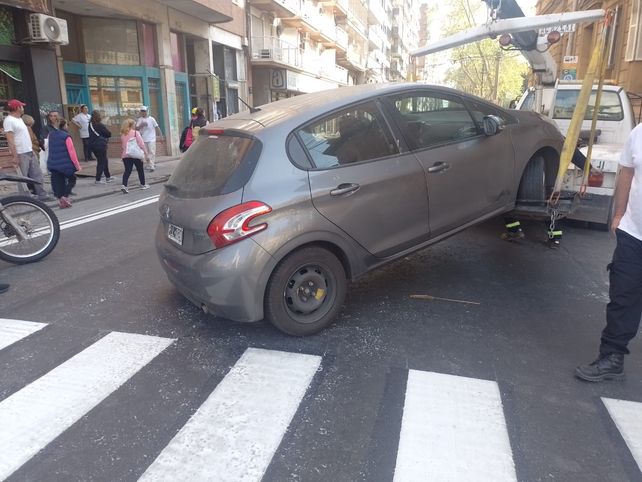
102, 165
61, 184
86, 149
130, 162
624, 311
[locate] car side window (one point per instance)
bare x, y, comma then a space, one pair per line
431, 119
479, 110
352, 135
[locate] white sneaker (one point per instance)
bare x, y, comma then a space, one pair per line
109, 179
144, 186
152, 169
98, 183
124, 189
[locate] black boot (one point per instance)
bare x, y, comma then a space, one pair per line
606, 367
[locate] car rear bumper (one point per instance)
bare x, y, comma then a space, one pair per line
228, 282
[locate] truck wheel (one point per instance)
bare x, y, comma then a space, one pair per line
305, 292
532, 187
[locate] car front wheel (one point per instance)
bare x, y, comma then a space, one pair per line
305, 291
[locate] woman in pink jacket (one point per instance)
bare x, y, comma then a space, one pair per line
130, 159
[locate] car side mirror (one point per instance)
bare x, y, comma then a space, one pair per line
492, 125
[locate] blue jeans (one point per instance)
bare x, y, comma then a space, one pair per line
624, 311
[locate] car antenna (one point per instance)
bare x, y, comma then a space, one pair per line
252, 109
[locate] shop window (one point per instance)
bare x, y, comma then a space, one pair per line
178, 58
7, 29
634, 41
155, 101
11, 85
149, 44
116, 98
110, 41
181, 99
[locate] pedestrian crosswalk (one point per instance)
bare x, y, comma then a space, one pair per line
451, 427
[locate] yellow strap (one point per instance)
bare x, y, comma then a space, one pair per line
555, 233
573, 133
513, 225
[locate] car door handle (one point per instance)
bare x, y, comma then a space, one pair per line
439, 166
344, 189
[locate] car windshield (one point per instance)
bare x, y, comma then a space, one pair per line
214, 165
610, 106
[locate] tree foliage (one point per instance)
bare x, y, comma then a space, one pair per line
482, 68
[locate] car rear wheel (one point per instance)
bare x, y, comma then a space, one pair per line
533, 184
305, 291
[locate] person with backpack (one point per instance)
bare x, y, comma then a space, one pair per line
98, 139
133, 151
190, 133
62, 163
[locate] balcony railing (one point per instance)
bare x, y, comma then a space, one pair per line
336, 73
273, 49
342, 38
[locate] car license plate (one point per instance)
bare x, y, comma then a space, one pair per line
175, 233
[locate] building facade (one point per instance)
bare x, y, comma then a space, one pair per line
221, 55
624, 40
170, 56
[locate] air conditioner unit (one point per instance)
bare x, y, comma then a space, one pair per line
43, 28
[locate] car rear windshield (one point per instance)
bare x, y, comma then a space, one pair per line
610, 106
215, 165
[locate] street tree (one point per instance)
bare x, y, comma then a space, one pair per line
482, 68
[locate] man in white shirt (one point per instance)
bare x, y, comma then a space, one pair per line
624, 311
81, 120
147, 126
20, 147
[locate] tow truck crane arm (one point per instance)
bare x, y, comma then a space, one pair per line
524, 32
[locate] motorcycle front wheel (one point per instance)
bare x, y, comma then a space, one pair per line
29, 230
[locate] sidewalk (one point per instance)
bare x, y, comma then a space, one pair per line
87, 189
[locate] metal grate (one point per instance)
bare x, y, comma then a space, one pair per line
7, 29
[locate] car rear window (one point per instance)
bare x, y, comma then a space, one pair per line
610, 106
215, 165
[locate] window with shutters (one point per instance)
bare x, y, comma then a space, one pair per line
634, 39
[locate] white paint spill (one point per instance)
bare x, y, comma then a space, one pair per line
13, 330
236, 431
34, 416
628, 420
453, 428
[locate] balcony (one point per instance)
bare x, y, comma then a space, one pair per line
352, 59
280, 8
272, 50
342, 39
340, 8
375, 38
376, 13
335, 73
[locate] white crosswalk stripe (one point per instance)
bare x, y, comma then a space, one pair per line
453, 428
13, 330
236, 431
628, 419
35, 415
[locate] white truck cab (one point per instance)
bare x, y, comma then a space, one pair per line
614, 123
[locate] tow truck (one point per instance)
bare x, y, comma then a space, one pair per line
508, 23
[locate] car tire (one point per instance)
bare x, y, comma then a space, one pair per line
305, 291
532, 187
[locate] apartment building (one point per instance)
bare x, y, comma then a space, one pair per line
624, 41
300, 46
404, 38
117, 55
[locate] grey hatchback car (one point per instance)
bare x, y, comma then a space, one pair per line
273, 210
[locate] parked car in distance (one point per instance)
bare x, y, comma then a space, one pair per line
271, 212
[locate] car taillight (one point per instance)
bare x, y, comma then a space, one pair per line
233, 224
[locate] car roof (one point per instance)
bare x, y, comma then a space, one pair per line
303, 107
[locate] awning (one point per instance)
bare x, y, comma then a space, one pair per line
39, 6
12, 70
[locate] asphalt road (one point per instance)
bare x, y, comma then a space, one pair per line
536, 314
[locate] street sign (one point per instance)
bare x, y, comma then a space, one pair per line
569, 67
543, 32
